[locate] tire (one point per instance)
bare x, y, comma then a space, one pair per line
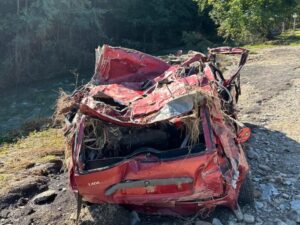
246, 195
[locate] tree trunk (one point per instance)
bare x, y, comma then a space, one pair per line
16, 55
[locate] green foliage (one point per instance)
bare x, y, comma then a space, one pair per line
46, 38
289, 37
37, 147
248, 21
41, 39
152, 25
38, 124
196, 41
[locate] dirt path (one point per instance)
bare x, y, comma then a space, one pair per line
270, 105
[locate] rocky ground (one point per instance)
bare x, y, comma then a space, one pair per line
269, 104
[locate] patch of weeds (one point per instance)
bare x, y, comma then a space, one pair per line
37, 124
36, 147
3, 179
288, 38
46, 158
3, 150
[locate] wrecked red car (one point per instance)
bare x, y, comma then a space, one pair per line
157, 137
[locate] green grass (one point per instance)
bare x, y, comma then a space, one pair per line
26, 128
46, 158
288, 38
37, 147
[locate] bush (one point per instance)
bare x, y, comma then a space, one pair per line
196, 41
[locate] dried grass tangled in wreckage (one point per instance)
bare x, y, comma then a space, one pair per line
64, 104
105, 140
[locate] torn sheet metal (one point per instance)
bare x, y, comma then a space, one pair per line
179, 106
153, 136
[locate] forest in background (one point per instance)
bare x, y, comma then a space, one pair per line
41, 39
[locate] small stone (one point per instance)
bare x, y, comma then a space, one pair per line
22, 201
265, 168
291, 222
288, 182
256, 179
259, 221
268, 190
249, 218
295, 205
231, 223
293, 215
27, 211
280, 222
26, 221
216, 221
257, 194
286, 196
252, 154
4, 213
73, 216
30, 165
45, 197
238, 214
284, 207
279, 180
198, 222
259, 205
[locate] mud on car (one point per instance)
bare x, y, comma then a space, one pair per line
158, 137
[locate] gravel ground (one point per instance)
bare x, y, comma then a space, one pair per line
269, 105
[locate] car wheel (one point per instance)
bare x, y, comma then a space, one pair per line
246, 195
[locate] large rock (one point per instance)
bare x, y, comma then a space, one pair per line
45, 197
4, 213
24, 188
53, 167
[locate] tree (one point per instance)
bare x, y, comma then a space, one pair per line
46, 38
41, 39
248, 20
150, 25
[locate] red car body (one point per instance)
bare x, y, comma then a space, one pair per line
138, 91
